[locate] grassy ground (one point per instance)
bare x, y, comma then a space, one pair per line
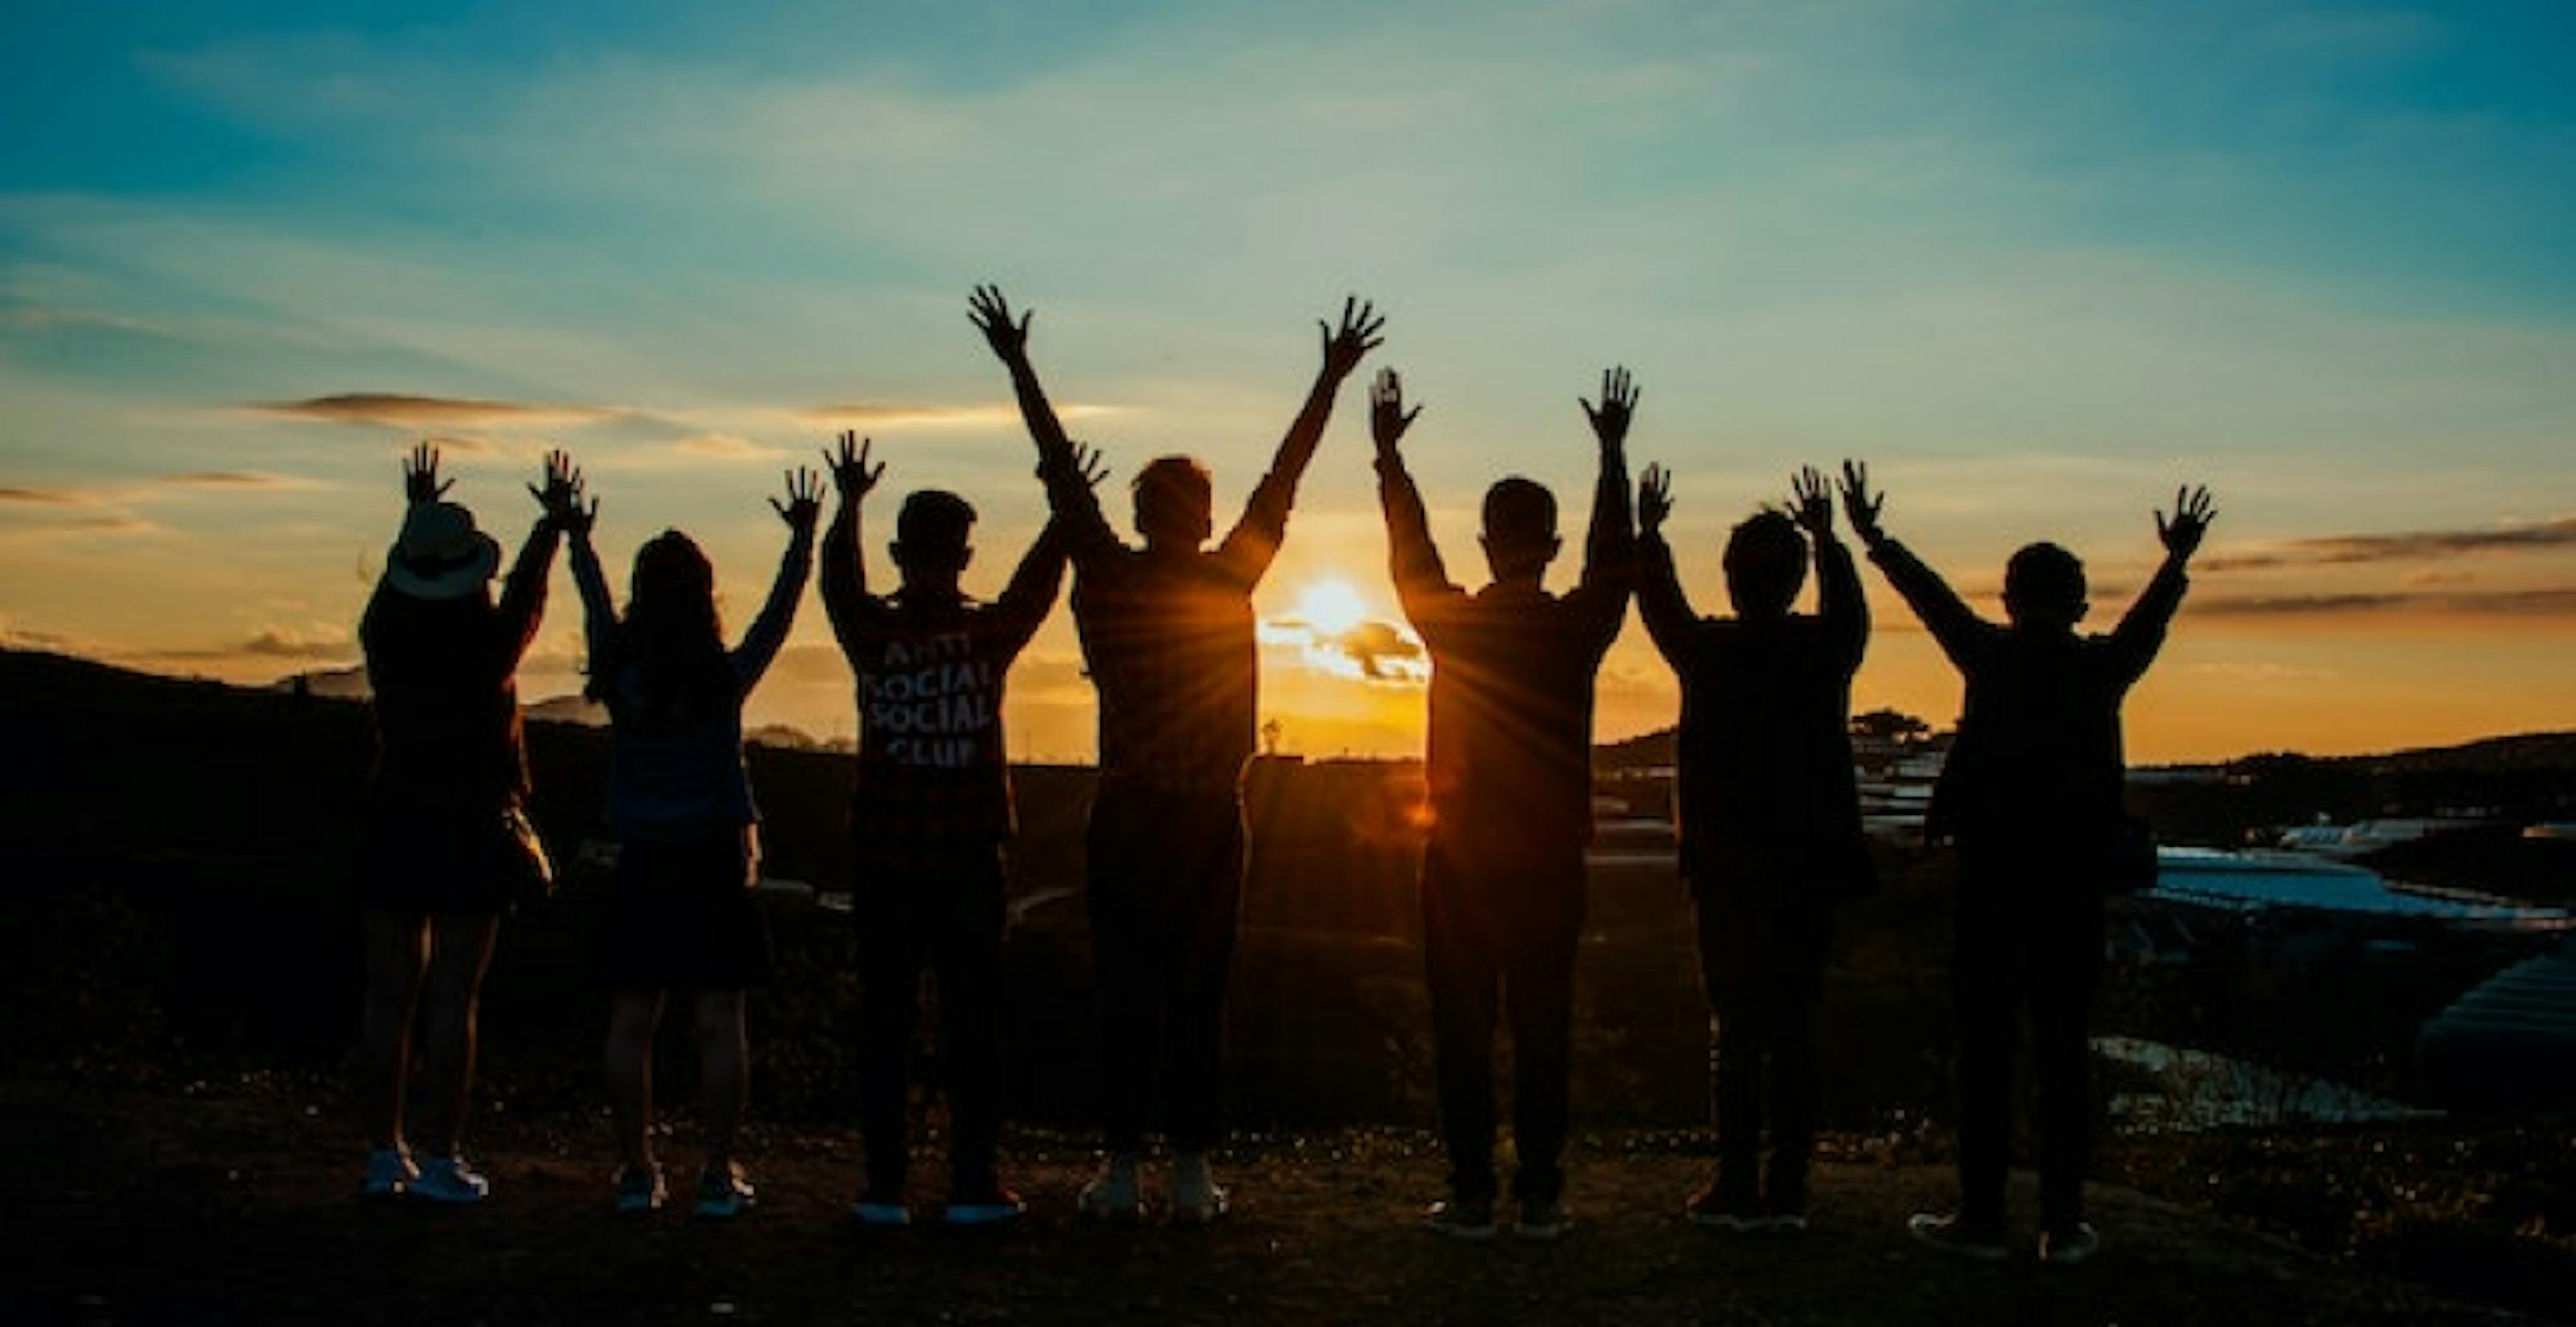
230, 1201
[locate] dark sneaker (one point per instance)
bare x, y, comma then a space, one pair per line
640, 1190
1461, 1219
1543, 1218
997, 1206
449, 1180
723, 1193
389, 1173
1707, 1208
1955, 1237
2068, 1245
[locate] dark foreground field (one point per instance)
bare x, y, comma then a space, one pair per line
230, 1202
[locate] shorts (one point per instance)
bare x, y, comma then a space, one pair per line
681, 918
426, 860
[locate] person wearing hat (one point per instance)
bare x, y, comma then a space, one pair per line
447, 844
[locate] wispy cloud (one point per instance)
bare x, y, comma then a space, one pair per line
2545, 601
2405, 546
47, 497
883, 414
235, 481
405, 410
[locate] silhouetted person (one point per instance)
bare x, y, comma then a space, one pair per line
2032, 794
681, 914
1167, 632
928, 818
1510, 776
1769, 812
448, 846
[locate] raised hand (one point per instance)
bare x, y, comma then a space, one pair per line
1388, 419
1654, 499
851, 473
2193, 511
1089, 465
1858, 504
804, 505
1618, 407
1811, 502
561, 496
1358, 335
420, 475
991, 314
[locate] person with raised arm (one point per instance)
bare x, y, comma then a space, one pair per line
1509, 767
681, 912
2032, 795
1768, 809
447, 843
1167, 633
930, 815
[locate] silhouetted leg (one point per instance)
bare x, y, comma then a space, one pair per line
1207, 903
1988, 999
888, 914
396, 947
632, 1017
1538, 990
1460, 969
1797, 988
966, 947
1730, 967
2061, 1025
1126, 969
724, 1069
460, 953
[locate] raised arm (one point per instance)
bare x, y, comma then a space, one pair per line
1422, 584
1249, 547
598, 611
845, 560
1085, 530
1660, 599
1610, 544
523, 591
1948, 617
760, 645
1840, 606
2141, 632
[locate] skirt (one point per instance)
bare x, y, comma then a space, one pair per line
682, 917
421, 859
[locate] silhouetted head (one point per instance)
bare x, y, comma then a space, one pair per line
440, 554
2044, 588
671, 634
1174, 503
930, 539
1520, 528
1766, 564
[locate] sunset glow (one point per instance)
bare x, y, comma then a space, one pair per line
1332, 608
2037, 270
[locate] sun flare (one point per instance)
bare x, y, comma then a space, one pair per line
1332, 608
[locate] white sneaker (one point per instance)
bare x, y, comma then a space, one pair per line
389, 1172
1197, 1198
1113, 1194
448, 1179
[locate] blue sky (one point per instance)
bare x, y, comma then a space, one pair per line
2038, 262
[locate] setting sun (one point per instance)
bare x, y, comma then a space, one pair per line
1332, 608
